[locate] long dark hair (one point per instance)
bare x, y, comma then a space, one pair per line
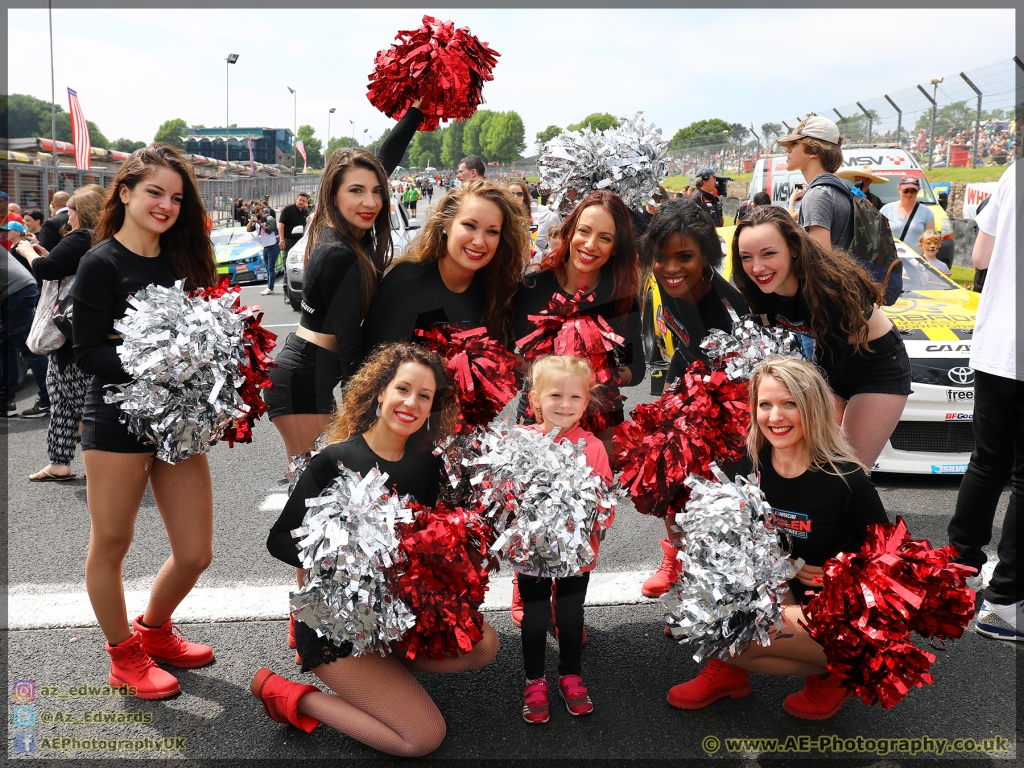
503, 275
373, 247
831, 282
689, 220
187, 242
625, 270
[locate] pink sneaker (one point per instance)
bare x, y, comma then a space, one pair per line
535, 702
574, 692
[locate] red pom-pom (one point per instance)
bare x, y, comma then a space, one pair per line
446, 567
483, 370
564, 328
872, 600
443, 66
702, 418
256, 372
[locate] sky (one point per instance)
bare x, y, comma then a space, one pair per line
134, 69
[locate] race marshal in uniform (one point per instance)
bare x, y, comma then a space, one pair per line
706, 195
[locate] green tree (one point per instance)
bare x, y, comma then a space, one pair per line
471, 141
598, 121
425, 149
127, 145
504, 137
701, 133
199, 126
770, 131
171, 132
340, 142
738, 132
451, 144
958, 114
313, 147
374, 147
29, 117
547, 135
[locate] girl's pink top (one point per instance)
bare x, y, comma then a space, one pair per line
597, 460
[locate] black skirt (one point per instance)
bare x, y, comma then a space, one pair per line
102, 429
315, 650
304, 379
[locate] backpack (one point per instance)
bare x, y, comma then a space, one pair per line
872, 244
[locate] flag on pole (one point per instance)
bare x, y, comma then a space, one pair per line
252, 163
301, 147
79, 133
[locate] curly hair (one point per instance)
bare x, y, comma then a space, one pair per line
187, 241
503, 274
623, 263
372, 247
824, 442
831, 282
689, 220
357, 411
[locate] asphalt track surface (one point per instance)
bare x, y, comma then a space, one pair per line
628, 663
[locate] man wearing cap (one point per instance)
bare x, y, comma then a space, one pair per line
706, 195
908, 219
862, 178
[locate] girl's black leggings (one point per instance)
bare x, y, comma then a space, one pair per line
570, 593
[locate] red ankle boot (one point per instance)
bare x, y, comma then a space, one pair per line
822, 697
166, 644
280, 699
517, 601
658, 584
716, 681
131, 666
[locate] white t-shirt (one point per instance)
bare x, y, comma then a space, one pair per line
994, 348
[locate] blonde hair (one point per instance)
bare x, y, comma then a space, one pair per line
545, 369
88, 202
824, 443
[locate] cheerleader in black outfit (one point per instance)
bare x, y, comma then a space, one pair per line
463, 269
681, 251
392, 411
787, 275
152, 230
348, 249
822, 495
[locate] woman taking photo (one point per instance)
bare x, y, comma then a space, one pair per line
799, 284
348, 249
682, 251
151, 231
819, 490
393, 410
463, 269
65, 383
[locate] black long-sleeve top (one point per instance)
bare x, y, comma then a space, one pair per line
690, 323
412, 296
65, 257
107, 275
332, 282
536, 294
417, 474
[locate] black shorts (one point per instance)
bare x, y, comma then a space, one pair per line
884, 370
304, 379
102, 429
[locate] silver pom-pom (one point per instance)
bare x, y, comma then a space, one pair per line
183, 354
630, 161
297, 464
347, 545
542, 500
750, 342
734, 569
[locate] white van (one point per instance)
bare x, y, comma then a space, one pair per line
771, 176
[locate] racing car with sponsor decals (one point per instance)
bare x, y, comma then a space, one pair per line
772, 176
935, 316
239, 255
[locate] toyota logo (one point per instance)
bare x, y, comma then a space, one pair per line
961, 375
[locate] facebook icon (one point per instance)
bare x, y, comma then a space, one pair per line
25, 743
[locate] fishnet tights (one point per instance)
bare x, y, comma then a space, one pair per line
792, 653
378, 702
868, 420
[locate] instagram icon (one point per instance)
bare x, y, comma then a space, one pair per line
23, 691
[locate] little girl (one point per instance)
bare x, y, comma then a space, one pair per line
560, 395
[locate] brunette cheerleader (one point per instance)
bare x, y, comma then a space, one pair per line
152, 231
392, 411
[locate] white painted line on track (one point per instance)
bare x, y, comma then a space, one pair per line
274, 502
27, 609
